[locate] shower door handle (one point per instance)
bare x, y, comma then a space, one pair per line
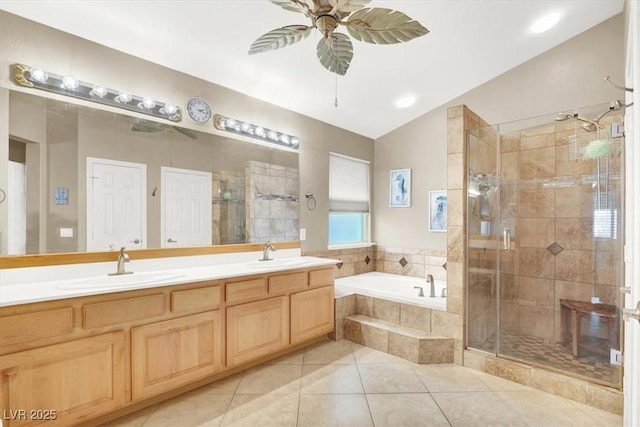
631, 313
506, 239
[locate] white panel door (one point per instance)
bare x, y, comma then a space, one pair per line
17, 200
116, 205
186, 208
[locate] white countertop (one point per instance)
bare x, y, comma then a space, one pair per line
31, 285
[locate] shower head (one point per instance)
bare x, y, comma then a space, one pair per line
560, 117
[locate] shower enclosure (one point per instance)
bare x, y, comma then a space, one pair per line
544, 236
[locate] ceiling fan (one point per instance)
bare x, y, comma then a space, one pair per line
335, 50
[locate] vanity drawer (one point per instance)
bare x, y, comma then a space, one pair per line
195, 299
246, 290
321, 277
287, 282
113, 312
26, 327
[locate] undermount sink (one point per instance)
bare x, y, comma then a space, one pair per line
123, 280
277, 263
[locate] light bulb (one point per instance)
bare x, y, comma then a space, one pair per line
147, 104
295, 141
245, 127
273, 135
260, 131
123, 97
231, 123
284, 139
99, 91
69, 83
38, 75
169, 109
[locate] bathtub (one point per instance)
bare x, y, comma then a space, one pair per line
392, 287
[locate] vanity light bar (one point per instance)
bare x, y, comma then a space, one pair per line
34, 77
254, 131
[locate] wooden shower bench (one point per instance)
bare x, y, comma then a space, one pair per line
576, 310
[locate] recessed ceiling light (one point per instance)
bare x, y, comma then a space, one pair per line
545, 22
406, 102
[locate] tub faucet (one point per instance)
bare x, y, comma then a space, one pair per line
265, 251
421, 293
122, 258
432, 286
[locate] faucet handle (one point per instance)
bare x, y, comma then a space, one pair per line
124, 255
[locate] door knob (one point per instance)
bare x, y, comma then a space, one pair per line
170, 240
135, 241
631, 313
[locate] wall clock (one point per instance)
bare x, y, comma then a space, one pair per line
199, 110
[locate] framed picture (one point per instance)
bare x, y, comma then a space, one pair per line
438, 211
400, 188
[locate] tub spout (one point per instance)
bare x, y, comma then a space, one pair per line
444, 293
432, 286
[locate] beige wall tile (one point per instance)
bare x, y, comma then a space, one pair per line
575, 266
455, 305
364, 305
536, 292
574, 202
566, 166
608, 268
375, 338
416, 317
414, 270
352, 331
510, 165
455, 244
404, 346
475, 360
455, 279
535, 232
457, 111
575, 233
538, 163
455, 171
348, 305
455, 207
537, 141
536, 322
537, 202
435, 350
509, 370
447, 324
574, 291
605, 398
538, 130
560, 385
535, 262
392, 267
389, 311
510, 142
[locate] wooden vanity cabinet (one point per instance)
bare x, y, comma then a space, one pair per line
63, 384
256, 329
172, 353
311, 314
87, 357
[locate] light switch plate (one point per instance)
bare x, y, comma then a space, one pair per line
66, 232
303, 234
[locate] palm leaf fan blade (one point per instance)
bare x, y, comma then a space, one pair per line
187, 132
147, 126
279, 38
383, 26
294, 6
348, 5
335, 53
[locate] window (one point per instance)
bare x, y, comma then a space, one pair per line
348, 200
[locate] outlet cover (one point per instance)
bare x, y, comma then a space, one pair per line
303, 234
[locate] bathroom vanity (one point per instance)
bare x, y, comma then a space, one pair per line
67, 361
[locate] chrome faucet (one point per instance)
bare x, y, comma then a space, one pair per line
122, 258
432, 290
265, 251
421, 293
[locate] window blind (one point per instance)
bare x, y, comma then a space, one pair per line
348, 184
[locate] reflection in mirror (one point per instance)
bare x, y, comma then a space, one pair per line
83, 179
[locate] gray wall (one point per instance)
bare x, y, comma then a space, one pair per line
564, 78
23, 41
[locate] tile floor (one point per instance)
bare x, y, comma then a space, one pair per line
345, 384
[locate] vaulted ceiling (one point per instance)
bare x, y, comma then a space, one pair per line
470, 42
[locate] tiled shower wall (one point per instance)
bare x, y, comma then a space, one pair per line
271, 202
557, 256
228, 207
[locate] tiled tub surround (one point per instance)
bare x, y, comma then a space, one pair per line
271, 202
413, 332
351, 261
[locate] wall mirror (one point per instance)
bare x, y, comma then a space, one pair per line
84, 179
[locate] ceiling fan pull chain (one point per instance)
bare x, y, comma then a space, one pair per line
335, 102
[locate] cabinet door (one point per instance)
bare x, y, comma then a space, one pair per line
69, 382
165, 355
256, 329
311, 314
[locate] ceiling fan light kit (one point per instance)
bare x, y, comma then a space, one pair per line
335, 50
